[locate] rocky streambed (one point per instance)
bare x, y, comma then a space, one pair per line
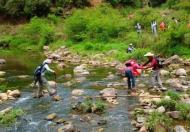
80, 77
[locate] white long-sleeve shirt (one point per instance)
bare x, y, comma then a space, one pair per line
46, 68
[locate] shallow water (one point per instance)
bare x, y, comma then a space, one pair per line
37, 109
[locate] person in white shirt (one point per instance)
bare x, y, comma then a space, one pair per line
41, 80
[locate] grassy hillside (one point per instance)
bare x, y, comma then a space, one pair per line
106, 27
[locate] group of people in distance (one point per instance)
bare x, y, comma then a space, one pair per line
131, 71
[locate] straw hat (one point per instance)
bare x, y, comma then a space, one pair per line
149, 54
130, 44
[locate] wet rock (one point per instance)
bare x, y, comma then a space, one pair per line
77, 92
67, 128
101, 130
141, 119
2, 73
2, 61
102, 122
80, 79
52, 84
174, 114
81, 70
15, 93
161, 109
179, 128
3, 96
56, 98
181, 72
111, 77
6, 110
108, 92
51, 116
164, 73
59, 120
143, 129
139, 125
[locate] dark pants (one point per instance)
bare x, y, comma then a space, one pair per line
43, 83
131, 79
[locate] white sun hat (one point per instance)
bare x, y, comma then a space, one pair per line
48, 61
149, 54
130, 44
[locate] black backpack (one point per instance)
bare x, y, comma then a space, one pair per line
160, 62
38, 70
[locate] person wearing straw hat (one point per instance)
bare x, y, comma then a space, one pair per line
153, 63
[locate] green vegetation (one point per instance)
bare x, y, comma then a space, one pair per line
184, 110
168, 104
156, 120
103, 28
173, 95
91, 106
11, 117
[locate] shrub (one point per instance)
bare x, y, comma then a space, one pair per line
72, 3
173, 95
37, 7
100, 24
10, 117
136, 3
156, 119
15, 7
168, 104
184, 110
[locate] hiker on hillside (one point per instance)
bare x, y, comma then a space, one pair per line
130, 72
153, 63
39, 77
162, 26
131, 48
138, 29
154, 27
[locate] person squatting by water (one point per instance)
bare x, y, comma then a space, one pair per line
155, 77
41, 81
131, 72
131, 48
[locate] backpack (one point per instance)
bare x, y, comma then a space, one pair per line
38, 70
160, 62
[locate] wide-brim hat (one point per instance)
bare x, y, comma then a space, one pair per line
149, 54
48, 61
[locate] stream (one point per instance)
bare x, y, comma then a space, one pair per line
117, 116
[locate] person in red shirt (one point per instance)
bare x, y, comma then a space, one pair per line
153, 63
162, 26
130, 72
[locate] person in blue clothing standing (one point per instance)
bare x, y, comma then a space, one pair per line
39, 78
131, 48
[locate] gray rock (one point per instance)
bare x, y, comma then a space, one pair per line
6, 110
108, 92
180, 128
51, 116
67, 128
161, 109
181, 72
164, 73
174, 114
141, 119
2, 61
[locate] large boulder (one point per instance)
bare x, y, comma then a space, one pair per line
14, 93
161, 109
69, 127
181, 72
164, 72
77, 92
173, 60
3, 96
2, 61
108, 92
174, 114
180, 128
